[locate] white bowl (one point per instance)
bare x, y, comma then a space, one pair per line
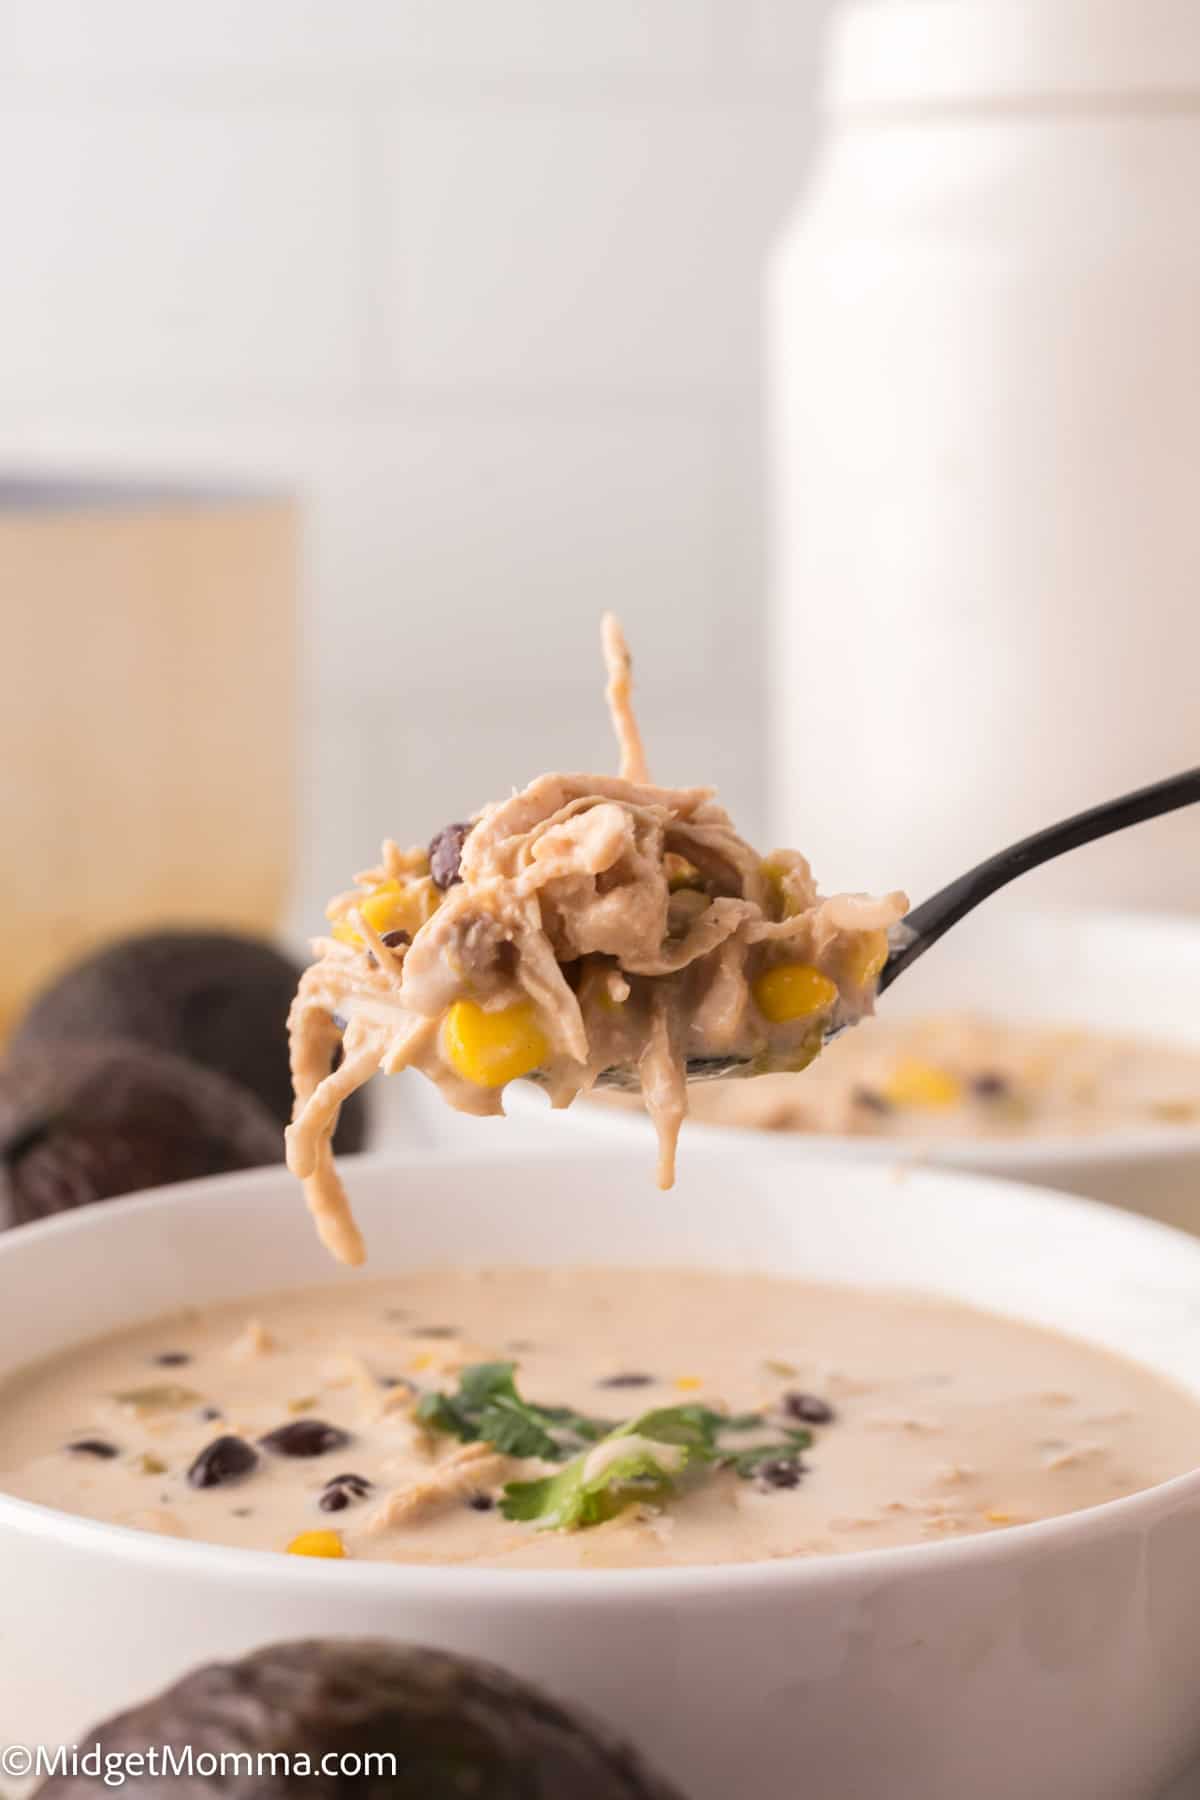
1051, 1660
1132, 974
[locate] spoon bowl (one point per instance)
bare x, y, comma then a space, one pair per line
921, 928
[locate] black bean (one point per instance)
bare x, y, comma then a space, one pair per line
225, 1459
808, 1407
991, 1085
445, 854
480, 1502
397, 1381
93, 1447
340, 1490
626, 1381
305, 1437
783, 1472
871, 1100
172, 1359
209, 1413
393, 940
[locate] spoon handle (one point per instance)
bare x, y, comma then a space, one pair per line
925, 924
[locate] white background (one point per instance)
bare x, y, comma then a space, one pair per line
482, 278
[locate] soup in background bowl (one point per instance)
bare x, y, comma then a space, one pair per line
1062, 1048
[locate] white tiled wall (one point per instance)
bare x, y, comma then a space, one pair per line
481, 277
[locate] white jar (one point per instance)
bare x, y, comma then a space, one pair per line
985, 383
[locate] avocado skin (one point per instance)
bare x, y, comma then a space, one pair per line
215, 997
87, 1122
459, 1729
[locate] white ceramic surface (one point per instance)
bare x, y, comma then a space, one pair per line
1136, 973
1054, 1661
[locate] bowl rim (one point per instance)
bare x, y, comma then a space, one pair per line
542, 1587
1151, 1143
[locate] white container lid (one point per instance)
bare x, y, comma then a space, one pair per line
914, 54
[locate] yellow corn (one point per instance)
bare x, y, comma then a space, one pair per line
392, 906
687, 1384
792, 991
995, 1515
865, 962
916, 1083
317, 1543
682, 874
492, 1048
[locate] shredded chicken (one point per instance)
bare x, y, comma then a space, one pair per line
619, 694
254, 1340
588, 925
470, 1470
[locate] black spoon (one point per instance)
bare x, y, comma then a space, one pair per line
912, 935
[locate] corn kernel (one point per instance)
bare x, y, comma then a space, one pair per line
392, 906
792, 991
387, 908
995, 1515
916, 1083
865, 963
681, 874
687, 1384
317, 1543
492, 1048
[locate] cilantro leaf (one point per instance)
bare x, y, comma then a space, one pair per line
639, 1462
607, 1467
569, 1501
488, 1407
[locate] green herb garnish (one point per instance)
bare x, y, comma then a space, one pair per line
641, 1461
611, 1466
488, 1407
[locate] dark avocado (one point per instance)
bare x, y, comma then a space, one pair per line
84, 1122
219, 999
458, 1729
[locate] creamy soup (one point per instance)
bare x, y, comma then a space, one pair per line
653, 1418
962, 1075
